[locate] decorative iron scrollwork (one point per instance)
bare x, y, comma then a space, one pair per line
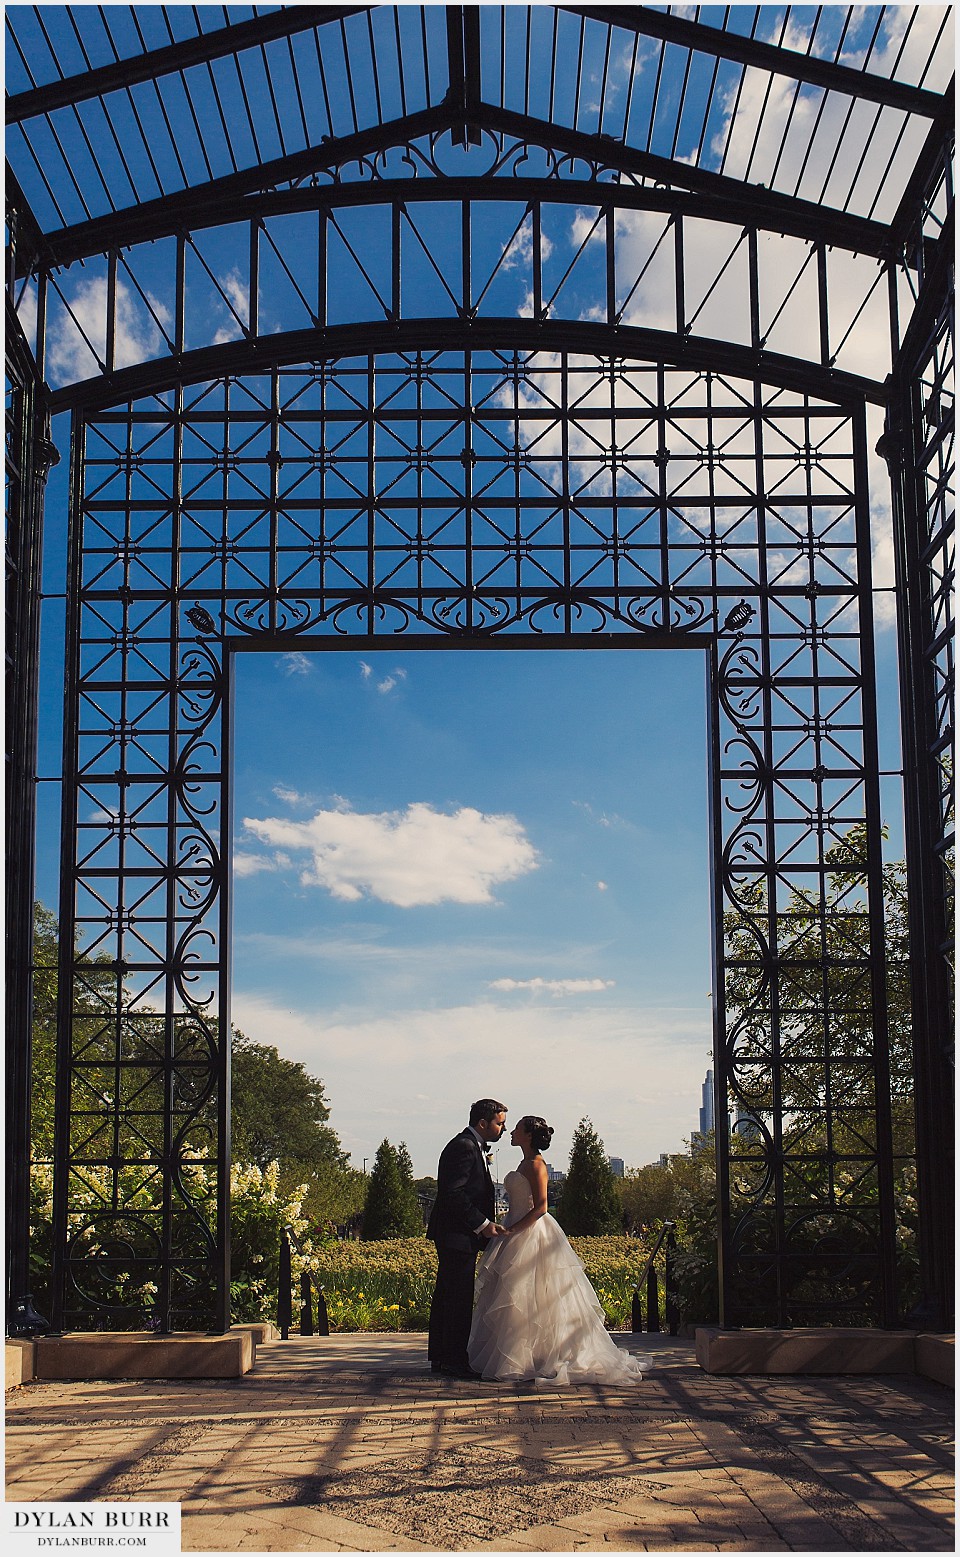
201, 619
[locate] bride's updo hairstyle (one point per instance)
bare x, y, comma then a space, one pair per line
539, 1131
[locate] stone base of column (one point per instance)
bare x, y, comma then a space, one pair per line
120, 1354
825, 1351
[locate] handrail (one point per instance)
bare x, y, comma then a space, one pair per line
285, 1293
648, 1278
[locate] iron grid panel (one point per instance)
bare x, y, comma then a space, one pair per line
27, 457
488, 498
919, 446
831, 110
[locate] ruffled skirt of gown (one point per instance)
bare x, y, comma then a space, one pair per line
538, 1317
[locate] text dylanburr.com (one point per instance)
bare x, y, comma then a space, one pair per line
149, 1528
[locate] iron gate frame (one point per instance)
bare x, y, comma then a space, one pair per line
760, 1271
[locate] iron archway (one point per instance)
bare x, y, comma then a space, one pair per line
520, 498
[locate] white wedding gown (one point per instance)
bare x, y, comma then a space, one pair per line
536, 1314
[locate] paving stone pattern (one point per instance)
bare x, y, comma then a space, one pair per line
351, 1444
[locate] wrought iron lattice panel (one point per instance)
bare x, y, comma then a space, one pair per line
919, 446
482, 497
28, 453
934, 464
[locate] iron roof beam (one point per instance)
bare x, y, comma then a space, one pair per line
25, 229
176, 56
765, 56
637, 19
937, 286
223, 199
779, 213
317, 345
463, 57
939, 136
188, 207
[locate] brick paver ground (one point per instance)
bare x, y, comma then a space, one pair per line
351, 1444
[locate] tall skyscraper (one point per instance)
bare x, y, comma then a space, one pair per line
707, 1116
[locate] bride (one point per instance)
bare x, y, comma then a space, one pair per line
536, 1314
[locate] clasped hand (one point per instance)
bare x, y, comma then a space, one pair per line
496, 1231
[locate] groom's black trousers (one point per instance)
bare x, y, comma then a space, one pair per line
451, 1311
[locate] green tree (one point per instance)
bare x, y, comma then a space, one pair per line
387, 1212
44, 1032
695, 1262
589, 1205
655, 1194
405, 1166
280, 1112
96, 1011
647, 1196
823, 991
335, 1196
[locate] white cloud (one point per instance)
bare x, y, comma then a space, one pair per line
519, 251
555, 986
296, 664
289, 796
636, 1072
388, 682
238, 291
27, 306
73, 343
601, 886
252, 864
602, 818
769, 138
411, 858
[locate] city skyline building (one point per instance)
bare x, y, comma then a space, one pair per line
708, 1118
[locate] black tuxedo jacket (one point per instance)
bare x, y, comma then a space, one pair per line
465, 1195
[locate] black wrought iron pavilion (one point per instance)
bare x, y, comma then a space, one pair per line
523, 327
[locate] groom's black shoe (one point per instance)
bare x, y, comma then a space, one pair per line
454, 1372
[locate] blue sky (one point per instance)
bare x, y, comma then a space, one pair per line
576, 983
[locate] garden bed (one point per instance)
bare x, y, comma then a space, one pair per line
388, 1285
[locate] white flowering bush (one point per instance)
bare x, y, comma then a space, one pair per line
260, 1209
107, 1283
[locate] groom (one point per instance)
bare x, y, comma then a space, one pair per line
461, 1221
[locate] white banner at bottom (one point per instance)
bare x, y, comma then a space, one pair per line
152, 1529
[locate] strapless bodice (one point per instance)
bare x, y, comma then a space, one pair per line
519, 1196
